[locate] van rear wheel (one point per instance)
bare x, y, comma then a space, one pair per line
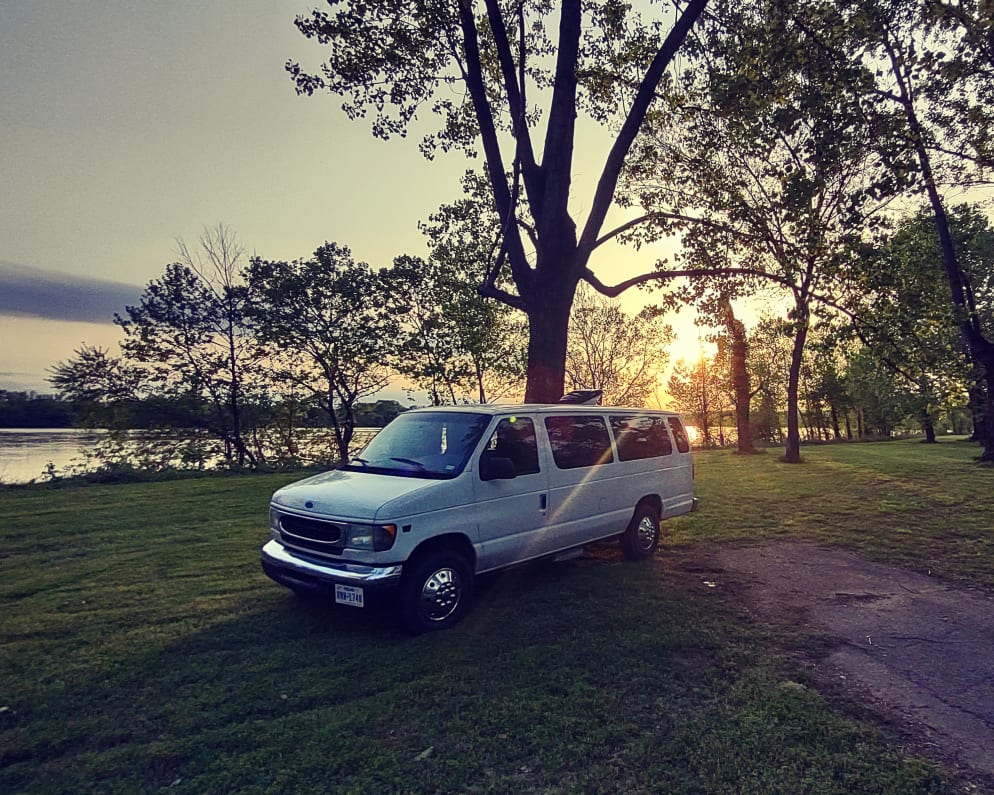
641, 537
435, 592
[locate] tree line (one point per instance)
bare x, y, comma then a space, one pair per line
30, 410
893, 361
255, 354
248, 356
778, 140
251, 352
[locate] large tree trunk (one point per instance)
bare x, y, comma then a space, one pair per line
792, 453
740, 378
548, 328
981, 349
988, 420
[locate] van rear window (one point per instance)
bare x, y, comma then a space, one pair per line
679, 435
641, 437
578, 441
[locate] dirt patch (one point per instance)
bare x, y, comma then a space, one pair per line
919, 650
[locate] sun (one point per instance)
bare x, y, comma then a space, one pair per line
690, 347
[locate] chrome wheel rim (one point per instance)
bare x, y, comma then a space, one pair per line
647, 532
440, 595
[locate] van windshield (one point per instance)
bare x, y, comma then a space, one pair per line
434, 444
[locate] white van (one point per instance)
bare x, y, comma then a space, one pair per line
443, 494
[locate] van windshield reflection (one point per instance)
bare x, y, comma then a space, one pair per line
434, 444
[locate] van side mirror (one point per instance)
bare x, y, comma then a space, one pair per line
493, 467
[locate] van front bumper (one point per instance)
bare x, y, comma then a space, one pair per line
310, 575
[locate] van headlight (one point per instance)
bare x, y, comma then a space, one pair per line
373, 537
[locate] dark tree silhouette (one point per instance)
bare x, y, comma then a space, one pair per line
393, 58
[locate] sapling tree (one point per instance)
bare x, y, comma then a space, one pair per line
189, 335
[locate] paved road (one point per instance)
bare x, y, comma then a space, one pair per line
921, 649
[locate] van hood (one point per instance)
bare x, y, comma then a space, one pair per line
348, 495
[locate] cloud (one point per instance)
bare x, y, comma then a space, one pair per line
32, 292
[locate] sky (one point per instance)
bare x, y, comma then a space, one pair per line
125, 126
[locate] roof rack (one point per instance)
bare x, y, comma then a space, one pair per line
583, 397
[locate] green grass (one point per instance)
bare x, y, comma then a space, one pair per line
141, 649
925, 507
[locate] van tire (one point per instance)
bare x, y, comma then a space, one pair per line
641, 537
435, 591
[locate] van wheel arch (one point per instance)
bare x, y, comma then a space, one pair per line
451, 542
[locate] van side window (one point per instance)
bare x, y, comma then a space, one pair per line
679, 435
514, 438
641, 437
579, 441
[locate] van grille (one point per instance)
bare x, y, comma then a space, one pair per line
315, 535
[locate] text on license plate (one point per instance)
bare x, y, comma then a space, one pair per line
348, 595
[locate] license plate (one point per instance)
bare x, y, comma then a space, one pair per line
348, 595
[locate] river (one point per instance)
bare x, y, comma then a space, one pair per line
25, 453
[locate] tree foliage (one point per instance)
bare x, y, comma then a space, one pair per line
188, 334
904, 314
458, 344
622, 355
335, 323
933, 70
792, 171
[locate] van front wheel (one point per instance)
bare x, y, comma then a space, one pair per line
641, 537
435, 593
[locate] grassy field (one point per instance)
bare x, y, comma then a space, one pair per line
925, 507
141, 649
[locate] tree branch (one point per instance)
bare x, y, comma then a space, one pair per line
492, 291
654, 216
613, 291
608, 182
557, 153
515, 93
473, 75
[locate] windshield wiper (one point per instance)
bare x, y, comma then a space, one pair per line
362, 461
410, 461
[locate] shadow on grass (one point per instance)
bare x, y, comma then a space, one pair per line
592, 676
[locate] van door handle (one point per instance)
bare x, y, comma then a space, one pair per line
543, 502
